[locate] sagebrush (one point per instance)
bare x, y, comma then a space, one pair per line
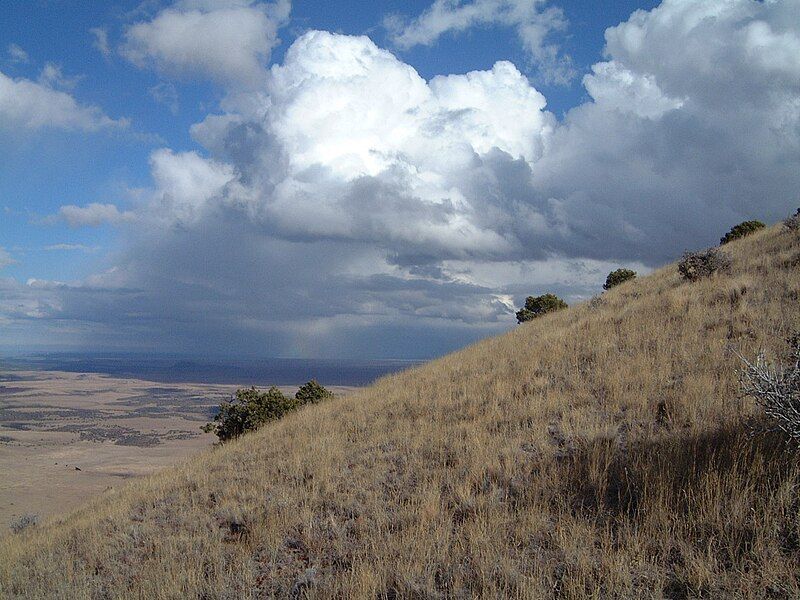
698, 265
22, 522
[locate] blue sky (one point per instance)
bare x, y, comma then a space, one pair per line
172, 143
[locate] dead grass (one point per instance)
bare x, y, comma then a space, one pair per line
597, 452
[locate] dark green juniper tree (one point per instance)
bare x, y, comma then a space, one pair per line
741, 230
536, 306
619, 276
252, 408
312, 393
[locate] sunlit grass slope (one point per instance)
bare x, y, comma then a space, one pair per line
602, 451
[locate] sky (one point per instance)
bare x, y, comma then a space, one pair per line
311, 179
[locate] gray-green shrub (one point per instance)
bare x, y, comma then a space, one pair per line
697, 265
22, 522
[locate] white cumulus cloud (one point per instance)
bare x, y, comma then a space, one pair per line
93, 215
357, 138
613, 86
30, 105
535, 23
693, 127
186, 183
229, 42
5, 258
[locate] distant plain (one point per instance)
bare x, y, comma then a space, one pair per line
66, 437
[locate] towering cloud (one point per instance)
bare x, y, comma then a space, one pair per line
345, 204
694, 126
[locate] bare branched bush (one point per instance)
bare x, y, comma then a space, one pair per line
792, 223
776, 388
697, 265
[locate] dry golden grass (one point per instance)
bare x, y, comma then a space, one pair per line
597, 452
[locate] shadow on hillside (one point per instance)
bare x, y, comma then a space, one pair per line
723, 499
607, 480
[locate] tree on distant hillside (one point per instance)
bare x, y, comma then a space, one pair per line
741, 230
617, 277
536, 306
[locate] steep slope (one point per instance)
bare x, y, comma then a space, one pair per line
600, 451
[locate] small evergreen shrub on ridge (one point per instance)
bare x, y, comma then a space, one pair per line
312, 393
617, 277
741, 230
536, 306
251, 408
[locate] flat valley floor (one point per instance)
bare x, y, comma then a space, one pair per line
65, 437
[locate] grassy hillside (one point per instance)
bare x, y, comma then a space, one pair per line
600, 451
